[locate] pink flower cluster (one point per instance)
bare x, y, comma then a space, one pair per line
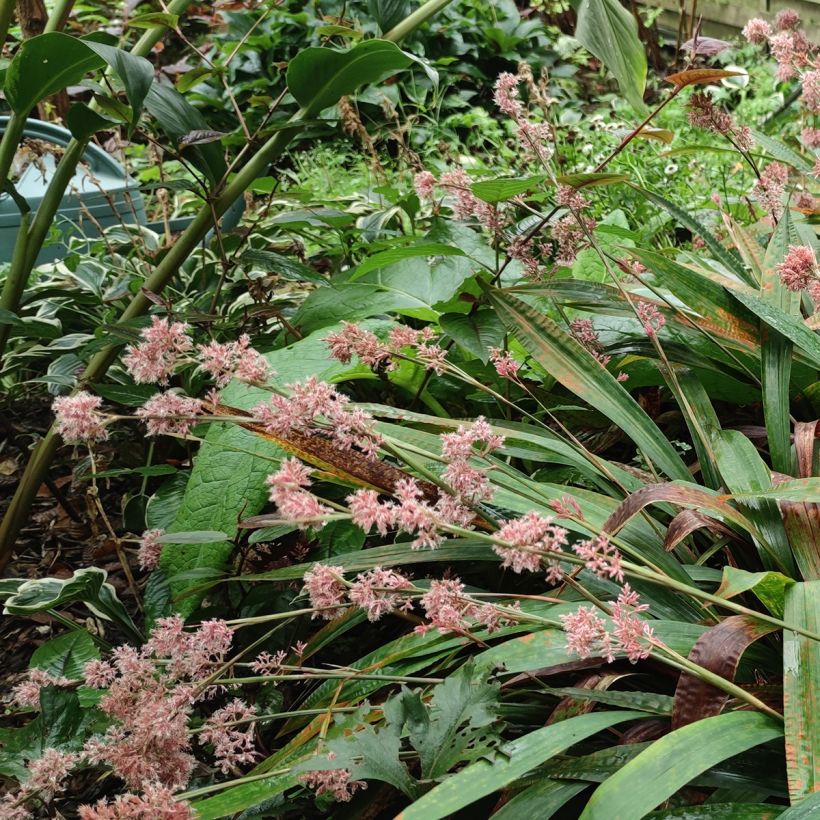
150, 549
585, 334
287, 491
449, 610
770, 188
650, 317
466, 204
45, 780
27, 693
409, 513
326, 590
169, 414
234, 360
505, 365
379, 591
150, 703
353, 340
789, 45
333, 781
156, 803
314, 408
570, 236
587, 633
534, 137
601, 557
799, 269
529, 537
233, 744
155, 358
78, 418
469, 483
704, 114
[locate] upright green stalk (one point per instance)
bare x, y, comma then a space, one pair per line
59, 15
44, 453
6, 13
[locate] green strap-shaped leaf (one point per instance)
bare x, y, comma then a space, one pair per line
801, 691
541, 800
572, 365
320, 77
514, 760
671, 762
607, 30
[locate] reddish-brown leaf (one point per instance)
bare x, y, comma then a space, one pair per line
700, 76
719, 650
686, 522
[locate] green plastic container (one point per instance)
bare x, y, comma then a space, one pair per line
100, 195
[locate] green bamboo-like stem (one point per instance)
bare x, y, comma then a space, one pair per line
6, 15
59, 16
44, 453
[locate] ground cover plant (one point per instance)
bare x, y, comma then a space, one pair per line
466, 467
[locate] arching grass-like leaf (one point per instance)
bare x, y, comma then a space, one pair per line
671, 762
572, 365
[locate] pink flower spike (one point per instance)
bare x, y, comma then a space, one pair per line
233, 744
506, 95
786, 20
47, 773
333, 781
798, 269
425, 185
156, 803
379, 591
586, 633
650, 317
154, 359
169, 414
150, 549
601, 557
505, 365
326, 592
78, 418
757, 31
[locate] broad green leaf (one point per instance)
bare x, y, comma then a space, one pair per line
177, 117
136, 74
476, 332
87, 585
83, 121
388, 13
674, 760
45, 65
390, 257
227, 481
504, 188
320, 77
796, 489
607, 30
769, 587
571, 364
801, 691
513, 760
66, 655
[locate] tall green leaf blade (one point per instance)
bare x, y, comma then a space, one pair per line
674, 760
514, 760
806, 809
801, 691
541, 800
607, 30
572, 365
